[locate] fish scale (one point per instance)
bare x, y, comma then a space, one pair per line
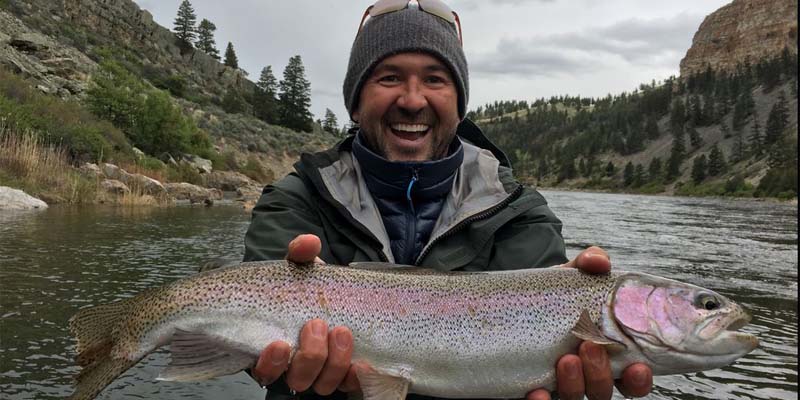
492, 335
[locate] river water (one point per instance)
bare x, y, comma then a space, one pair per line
56, 261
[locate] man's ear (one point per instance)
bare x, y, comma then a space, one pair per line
354, 115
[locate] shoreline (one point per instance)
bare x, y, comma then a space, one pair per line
665, 194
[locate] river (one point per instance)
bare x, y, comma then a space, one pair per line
56, 261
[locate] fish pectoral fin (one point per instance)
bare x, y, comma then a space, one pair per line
587, 330
378, 385
197, 356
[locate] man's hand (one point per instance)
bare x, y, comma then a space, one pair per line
589, 372
322, 360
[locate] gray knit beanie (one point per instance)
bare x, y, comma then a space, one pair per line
406, 30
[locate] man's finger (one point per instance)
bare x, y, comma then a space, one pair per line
596, 371
569, 375
310, 357
340, 349
272, 363
538, 394
593, 260
636, 381
304, 249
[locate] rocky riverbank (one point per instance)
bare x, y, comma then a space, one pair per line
115, 185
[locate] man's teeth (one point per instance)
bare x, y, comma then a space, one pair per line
410, 127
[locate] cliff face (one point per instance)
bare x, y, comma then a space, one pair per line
740, 31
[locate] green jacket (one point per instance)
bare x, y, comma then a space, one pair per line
488, 222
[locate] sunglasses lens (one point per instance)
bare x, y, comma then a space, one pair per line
387, 6
437, 8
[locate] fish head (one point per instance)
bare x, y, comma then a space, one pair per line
680, 327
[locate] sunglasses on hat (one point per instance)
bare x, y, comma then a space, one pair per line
433, 7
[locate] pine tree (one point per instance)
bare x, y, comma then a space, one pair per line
265, 100
651, 127
716, 161
699, 168
677, 153
230, 57
184, 24
654, 170
610, 169
755, 140
627, 174
638, 175
329, 124
295, 96
542, 170
677, 116
777, 121
694, 137
739, 148
205, 38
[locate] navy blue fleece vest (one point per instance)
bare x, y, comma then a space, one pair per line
409, 195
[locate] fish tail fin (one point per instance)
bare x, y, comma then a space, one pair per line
95, 328
95, 377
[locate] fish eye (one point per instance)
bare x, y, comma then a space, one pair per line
707, 302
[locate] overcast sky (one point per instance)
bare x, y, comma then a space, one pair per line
516, 49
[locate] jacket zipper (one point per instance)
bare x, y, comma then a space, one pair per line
411, 219
477, 217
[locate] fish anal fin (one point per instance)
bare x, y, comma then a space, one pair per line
382, 385
585, 329
197, 357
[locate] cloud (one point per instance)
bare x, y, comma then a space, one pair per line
659, 42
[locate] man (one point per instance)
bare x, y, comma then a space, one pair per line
417, 184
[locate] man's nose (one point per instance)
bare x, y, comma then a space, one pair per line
413, 97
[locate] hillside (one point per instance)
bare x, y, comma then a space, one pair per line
61, 47
652, 140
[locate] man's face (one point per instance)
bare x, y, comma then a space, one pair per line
408, 108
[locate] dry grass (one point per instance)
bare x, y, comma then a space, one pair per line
44, 171
40, 169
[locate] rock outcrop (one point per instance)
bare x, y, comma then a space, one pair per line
15, 199
57, 69
742, 31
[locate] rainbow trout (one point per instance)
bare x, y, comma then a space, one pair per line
455, 335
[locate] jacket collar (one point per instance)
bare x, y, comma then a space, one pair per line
422, 180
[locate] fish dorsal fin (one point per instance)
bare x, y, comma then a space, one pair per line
404, 269
378, 385
587, 330
197, 356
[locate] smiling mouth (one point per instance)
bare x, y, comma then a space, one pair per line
409, 131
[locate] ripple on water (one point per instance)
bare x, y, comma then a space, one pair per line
65, 259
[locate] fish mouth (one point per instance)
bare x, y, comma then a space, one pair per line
739, 323
747, 341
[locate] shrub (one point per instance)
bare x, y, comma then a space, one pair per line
83, 136
778, 182
147, 115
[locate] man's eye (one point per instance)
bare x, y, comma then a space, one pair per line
389, 78
435, 79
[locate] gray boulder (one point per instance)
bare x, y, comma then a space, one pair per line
115, 187
192, 193
202, 165
228, 181
15, 199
